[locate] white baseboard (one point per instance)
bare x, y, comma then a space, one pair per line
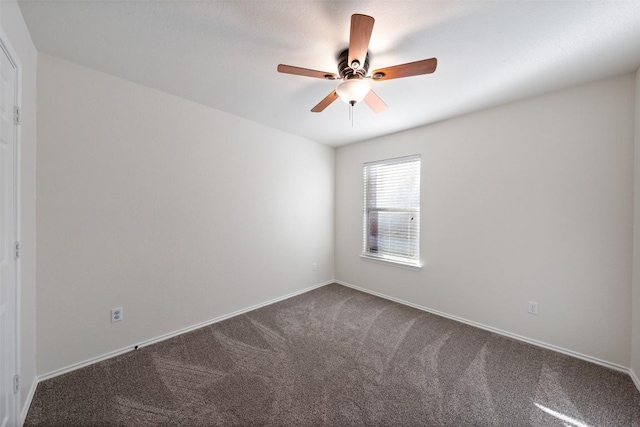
97, 359
27, 403
635, 378
164, 337
497, 331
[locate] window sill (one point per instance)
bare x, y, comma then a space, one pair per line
416, 266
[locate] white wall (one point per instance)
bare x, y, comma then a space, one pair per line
635, 324
18, 37
175, 211
531, 201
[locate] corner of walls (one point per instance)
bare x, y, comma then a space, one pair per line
635, 300
18, 37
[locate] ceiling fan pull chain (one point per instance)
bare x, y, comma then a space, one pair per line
351, 112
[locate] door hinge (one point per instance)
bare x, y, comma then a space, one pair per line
16, 116
16, 383
18, 248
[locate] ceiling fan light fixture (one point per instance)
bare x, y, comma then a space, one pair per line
353, 91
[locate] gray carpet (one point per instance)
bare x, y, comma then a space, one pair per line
338, 357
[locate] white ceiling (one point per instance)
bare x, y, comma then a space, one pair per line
224, 54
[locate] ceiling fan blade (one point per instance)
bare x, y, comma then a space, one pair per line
375, 102
426, 66
325, 102
361, 27
298, 71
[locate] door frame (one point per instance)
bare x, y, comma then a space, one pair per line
6, 46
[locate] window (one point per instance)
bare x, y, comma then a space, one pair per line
392, 210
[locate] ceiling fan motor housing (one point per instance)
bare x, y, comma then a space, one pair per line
345, 70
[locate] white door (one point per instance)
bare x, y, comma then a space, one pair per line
8, 237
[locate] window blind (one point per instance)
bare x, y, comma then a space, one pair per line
392, 210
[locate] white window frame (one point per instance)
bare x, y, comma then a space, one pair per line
413, 260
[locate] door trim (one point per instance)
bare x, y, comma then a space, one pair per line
6, 46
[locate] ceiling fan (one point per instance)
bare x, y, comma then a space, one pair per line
353, 66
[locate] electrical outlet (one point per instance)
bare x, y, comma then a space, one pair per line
116, 314
314, 266
533, 307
